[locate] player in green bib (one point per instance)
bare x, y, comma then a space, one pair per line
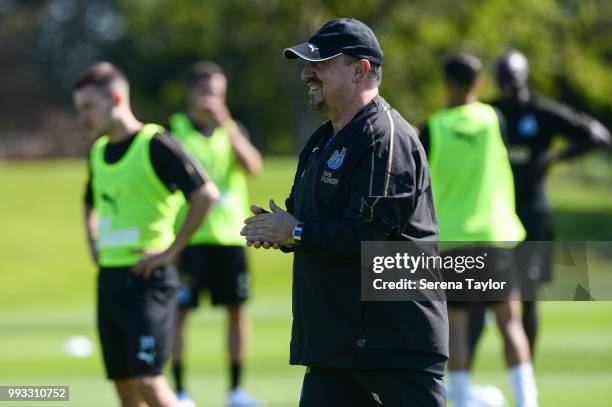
136, 176
473, 191
215, 260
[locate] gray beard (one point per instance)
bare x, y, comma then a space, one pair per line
318, 105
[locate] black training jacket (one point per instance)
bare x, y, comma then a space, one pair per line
370, 182
530, 130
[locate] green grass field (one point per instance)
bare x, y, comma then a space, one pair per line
47, 295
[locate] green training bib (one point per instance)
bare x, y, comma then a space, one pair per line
134, 209
471, 177
216, 154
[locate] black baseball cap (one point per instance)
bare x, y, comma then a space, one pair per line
340, 36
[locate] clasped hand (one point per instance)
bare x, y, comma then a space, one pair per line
269, 229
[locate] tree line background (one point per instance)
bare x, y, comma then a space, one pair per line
45, 43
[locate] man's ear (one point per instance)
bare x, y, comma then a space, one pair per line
116, 98
478, 83
361, 69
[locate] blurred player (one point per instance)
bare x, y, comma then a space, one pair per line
531, 123
474, 198
131, 206
215, 260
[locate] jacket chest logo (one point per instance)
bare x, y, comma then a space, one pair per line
335, 161
328, 178
528, 126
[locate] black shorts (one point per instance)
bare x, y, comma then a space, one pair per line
535, 260
222, 270
331, 387
500, 266
135, 320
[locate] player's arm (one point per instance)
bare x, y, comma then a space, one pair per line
90, 221
582, 131
200, 201
179, 171
246, 153
90, 226
589, 135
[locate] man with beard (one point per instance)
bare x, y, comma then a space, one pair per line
362, 176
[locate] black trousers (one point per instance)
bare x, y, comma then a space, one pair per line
332, 387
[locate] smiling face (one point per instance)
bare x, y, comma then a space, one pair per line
329, 83
94, 106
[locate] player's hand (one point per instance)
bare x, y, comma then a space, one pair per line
217, 109
151, 262
267, 230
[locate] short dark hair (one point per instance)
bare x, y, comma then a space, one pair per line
204, 70
462, 69
101, 74
375, 72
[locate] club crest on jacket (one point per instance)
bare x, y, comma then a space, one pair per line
335, 161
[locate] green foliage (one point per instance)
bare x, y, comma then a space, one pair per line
568, 43
563, 40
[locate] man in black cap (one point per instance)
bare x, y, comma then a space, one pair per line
531, 123
362, 176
